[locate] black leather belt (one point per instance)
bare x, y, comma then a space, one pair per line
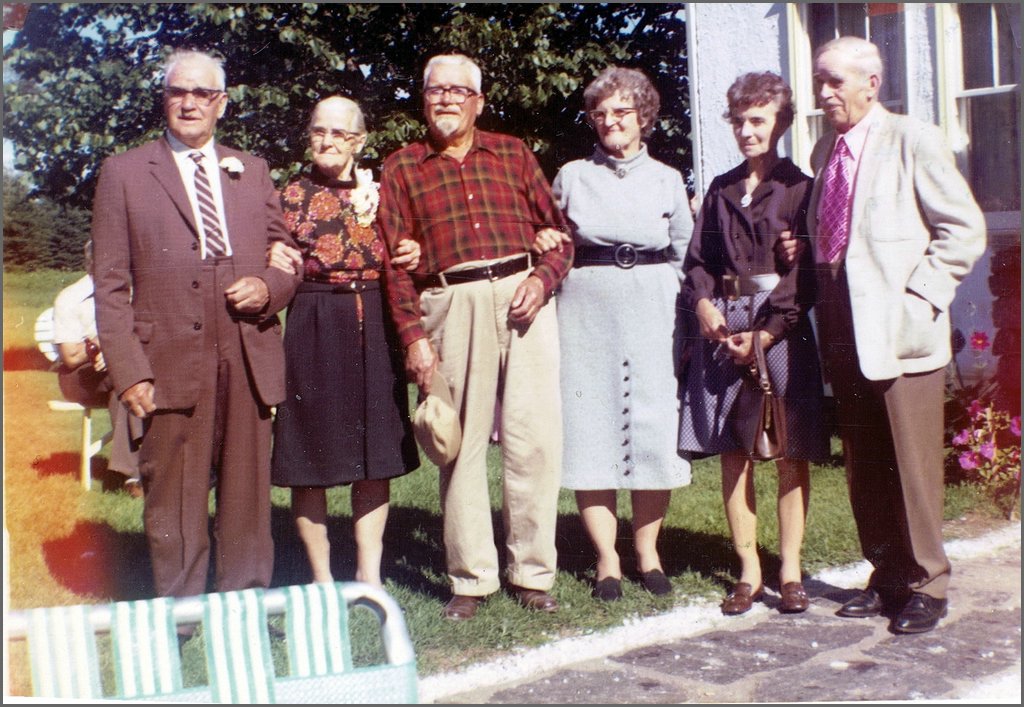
492, 272
623, 255
350, 287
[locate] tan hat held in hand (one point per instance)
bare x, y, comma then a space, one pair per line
436, 423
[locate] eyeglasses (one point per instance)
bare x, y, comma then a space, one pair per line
336, 136
457, 94
600, 116
205, 96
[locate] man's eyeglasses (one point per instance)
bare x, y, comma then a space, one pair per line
600, 116
336, 136
205, 96
457, 94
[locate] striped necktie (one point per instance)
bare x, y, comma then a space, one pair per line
834, 223
215, 243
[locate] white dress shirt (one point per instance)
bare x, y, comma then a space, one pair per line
187, 168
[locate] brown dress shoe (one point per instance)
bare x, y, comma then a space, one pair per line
536, 599
794, 598
462, 607
741, 598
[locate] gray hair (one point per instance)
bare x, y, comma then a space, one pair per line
353, 107
865, 55
631, 83
188, 55
476, 76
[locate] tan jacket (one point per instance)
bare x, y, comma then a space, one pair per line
915, 233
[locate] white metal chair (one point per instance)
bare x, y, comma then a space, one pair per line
89, 447
66, 663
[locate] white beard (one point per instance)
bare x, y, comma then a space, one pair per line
446, 125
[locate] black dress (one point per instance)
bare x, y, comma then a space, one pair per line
346, 414
734, 238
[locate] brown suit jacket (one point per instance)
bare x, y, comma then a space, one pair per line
149, 296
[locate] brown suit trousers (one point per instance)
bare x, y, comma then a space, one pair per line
892, 440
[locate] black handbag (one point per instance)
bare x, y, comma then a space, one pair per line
760, 415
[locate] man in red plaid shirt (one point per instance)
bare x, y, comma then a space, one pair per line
479, 310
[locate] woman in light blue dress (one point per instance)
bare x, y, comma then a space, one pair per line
619, 327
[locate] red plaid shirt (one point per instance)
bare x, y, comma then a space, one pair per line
489, 206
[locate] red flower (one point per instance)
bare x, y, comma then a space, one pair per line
979, 341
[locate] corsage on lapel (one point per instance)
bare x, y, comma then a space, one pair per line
232, 165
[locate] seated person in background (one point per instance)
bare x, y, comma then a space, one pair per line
83, 375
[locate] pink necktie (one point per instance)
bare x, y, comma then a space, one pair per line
208, 210
834, 222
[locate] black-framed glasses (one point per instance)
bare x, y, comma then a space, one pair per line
205, 96
600, 116
456, 94
334, 135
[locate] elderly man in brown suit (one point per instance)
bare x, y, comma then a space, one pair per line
186, 308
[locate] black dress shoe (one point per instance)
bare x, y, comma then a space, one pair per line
921, 614
656, 583
608, 589
867, 603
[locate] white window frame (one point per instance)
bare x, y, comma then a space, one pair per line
952, 96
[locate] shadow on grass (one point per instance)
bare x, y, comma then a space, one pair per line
413, 551
99, 562
25, 358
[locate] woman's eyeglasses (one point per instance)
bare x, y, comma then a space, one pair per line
336, 136
600, 116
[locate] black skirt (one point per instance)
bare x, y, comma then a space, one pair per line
346, 414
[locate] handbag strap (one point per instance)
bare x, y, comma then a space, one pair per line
763, 378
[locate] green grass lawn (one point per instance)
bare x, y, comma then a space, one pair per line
67, 545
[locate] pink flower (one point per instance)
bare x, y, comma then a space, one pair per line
962, 437
1015, 425
979, 341
976, 409
987, 450
968, 461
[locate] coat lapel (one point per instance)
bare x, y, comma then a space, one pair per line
165, 171
230, 193
868, 168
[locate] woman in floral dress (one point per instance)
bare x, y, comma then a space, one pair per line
346, 416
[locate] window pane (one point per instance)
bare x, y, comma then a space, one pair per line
1008, 17
993, 168
821, 16
976, 31
851, 20
887, 33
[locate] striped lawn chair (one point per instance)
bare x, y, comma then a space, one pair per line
319, 648
238, 660
63, 653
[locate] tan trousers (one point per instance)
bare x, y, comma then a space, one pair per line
485, 359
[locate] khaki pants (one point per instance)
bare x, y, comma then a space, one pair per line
484, 359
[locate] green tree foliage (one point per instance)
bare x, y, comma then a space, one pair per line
85, 80
38, 232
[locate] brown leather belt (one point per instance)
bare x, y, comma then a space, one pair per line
492, 272
623, 255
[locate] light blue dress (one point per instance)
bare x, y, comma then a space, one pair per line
620, 329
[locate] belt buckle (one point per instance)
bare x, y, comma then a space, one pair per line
625, 256
731, 287
491, 272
